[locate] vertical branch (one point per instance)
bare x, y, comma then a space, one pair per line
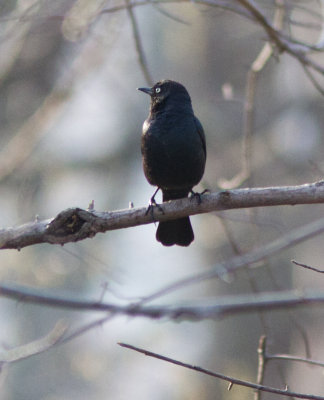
248, 117
237, 251
262, 359
138, 44
320, 41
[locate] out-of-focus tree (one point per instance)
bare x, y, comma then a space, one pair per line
70, 133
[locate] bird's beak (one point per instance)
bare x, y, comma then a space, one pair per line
146, 90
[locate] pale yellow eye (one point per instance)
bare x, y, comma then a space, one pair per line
157, 90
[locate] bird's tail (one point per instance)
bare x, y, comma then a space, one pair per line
178, 231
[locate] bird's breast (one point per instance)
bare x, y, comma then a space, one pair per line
146, 126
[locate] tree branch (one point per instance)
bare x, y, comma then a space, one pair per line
248, 117
35, 347
227, 378
308, 267
211, 308
262, 360
288, 357
138, 44
75, 224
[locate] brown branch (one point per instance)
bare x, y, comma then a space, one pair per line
138, 44
227, 378
76, 224
250, 10
246, 8
296, 49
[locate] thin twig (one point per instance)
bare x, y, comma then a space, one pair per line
222, 4
262, 359
291, 239
23, 143
138, 44
300, 327
308, 267
320, 41
168, 15
287, 357
248, 116
283, 43
313, 80
227, 378
84, 329
252, 281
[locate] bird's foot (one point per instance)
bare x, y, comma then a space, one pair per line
150, 208
198, 195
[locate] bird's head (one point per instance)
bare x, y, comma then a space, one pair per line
166, 91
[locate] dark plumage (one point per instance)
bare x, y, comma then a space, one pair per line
174, 153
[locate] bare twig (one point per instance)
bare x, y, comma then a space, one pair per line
227, 378
75, 224
167, 14
248, 122
138, 44
35, 347
292, 238
299, 325
84, 329
215, 308
308, 267
262, 359
79, 18
218, 270
236, 249
246, 8
23, 143
222, 4
287, 357
320, 42
294, 48
313, 80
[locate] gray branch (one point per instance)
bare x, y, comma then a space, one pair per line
231, 380
76, 224
212, 308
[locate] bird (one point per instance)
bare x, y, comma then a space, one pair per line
173, 147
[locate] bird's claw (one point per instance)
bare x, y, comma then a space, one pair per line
150, 208
198, 195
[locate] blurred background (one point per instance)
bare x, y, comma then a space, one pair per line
71, 121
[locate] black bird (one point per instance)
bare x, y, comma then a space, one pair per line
174, 153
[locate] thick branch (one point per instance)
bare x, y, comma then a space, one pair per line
75, 224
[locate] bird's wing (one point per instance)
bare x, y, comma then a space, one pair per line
201, 133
